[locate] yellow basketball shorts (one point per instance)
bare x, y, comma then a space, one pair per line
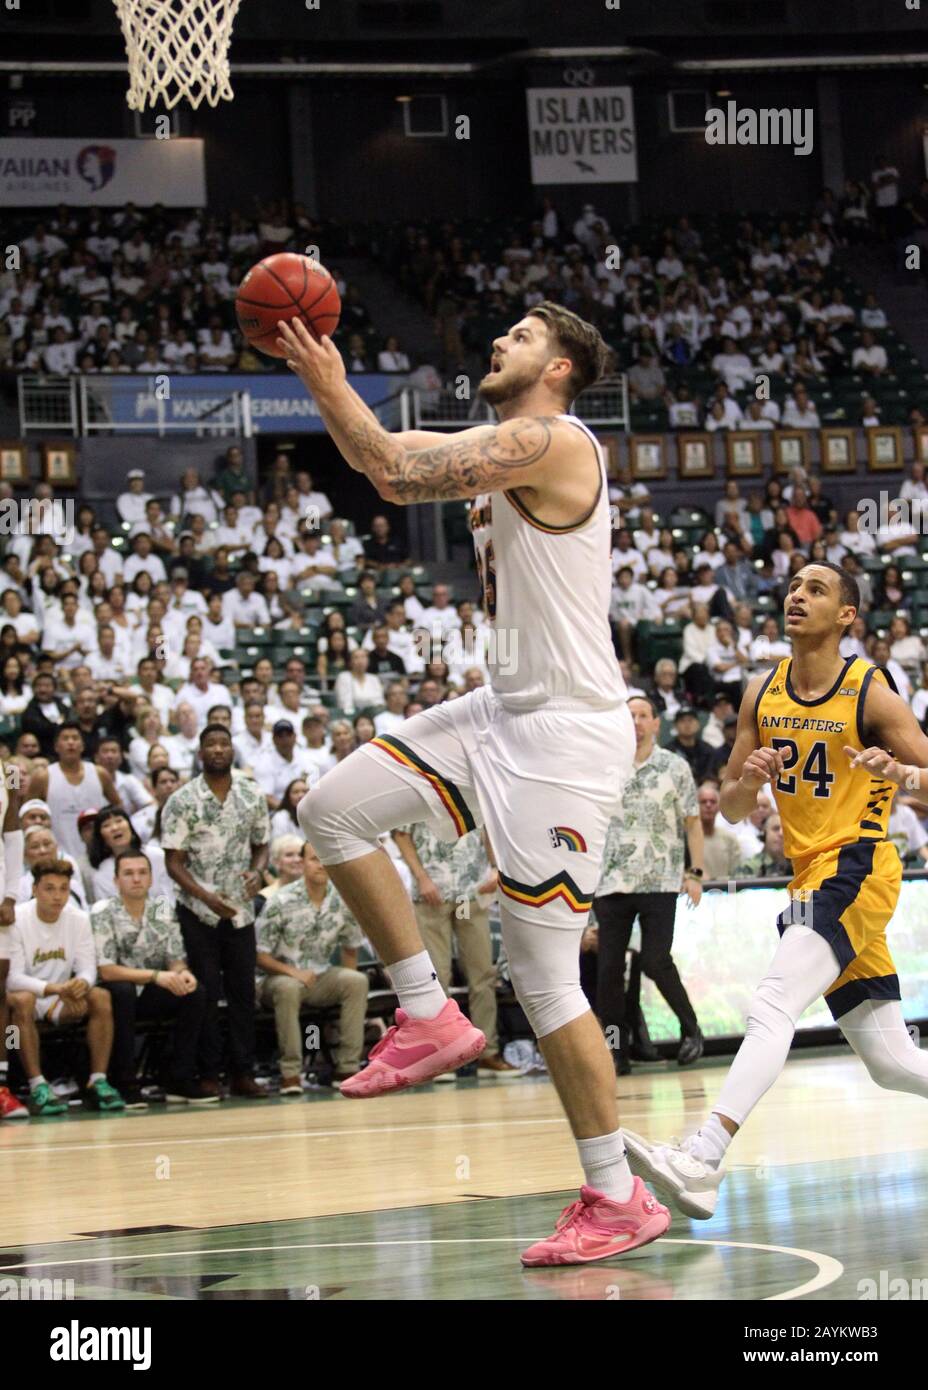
848, 896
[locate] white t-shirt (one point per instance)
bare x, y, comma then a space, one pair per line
43, 953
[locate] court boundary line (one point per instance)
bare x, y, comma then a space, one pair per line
828, 1269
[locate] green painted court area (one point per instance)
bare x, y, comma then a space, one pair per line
791, 1232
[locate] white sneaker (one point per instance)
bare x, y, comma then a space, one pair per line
676, 1173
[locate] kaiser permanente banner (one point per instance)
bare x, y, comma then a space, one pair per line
278, 402
582, 135
102, 173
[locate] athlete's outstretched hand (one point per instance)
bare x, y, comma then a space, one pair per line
884, 765
761, 766
316, 361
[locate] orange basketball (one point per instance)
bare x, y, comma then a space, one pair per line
286, 286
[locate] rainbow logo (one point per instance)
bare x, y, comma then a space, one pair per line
564, 835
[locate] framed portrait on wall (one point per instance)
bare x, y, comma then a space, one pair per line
59, 464
838, 450
694, 456
648, 456
14, 466
789, 450
742, 454
884, 448
921, 443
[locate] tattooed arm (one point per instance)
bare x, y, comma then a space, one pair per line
517, 453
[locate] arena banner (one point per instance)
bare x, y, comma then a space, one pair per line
278, 401
102, 173
582, 135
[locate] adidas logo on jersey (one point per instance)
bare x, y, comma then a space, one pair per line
847, 692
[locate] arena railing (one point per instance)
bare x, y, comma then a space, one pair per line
453, 407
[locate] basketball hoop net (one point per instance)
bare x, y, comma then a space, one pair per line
177, 49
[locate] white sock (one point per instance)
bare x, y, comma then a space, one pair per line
96, 1076
36, 1081
710, 1141
605, 1166
417, 987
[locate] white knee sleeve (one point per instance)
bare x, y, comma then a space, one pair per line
544, 966
877, 1032
803, 968
353, 804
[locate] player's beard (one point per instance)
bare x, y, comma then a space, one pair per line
497, 388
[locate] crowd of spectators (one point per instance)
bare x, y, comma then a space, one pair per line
147, 290
262, 616
697, 612
693, 313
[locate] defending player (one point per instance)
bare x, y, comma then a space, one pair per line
818, 728
538, 757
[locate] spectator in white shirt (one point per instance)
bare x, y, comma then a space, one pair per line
26, 625
283, 763
732, 412
897, 537
631, 602
391, 359
314, 504
683, 412
870, 358
440, 618
144, 558
217, 627
347, 551
355, 688
232, 533
723, 659
254, 740
735, 366
71, 638
192, 498
906, 647
201, 693
768, 647
107, 663
853, 642
183, 747
131, 505
837, 312
882, 656
871, 315
800, 411
625, 553
855, 540
60, 357
390, 719
243, 606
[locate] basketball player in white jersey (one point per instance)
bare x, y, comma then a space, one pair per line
71, 785
538, 757
11, 871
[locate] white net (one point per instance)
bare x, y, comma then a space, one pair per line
177, 50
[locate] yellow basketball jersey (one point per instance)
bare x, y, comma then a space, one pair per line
822, 801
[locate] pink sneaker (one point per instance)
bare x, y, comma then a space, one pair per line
598, 1228
415, 1050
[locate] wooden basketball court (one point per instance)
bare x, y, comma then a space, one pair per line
432, 1194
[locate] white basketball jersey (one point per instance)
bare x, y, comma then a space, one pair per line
546, 593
